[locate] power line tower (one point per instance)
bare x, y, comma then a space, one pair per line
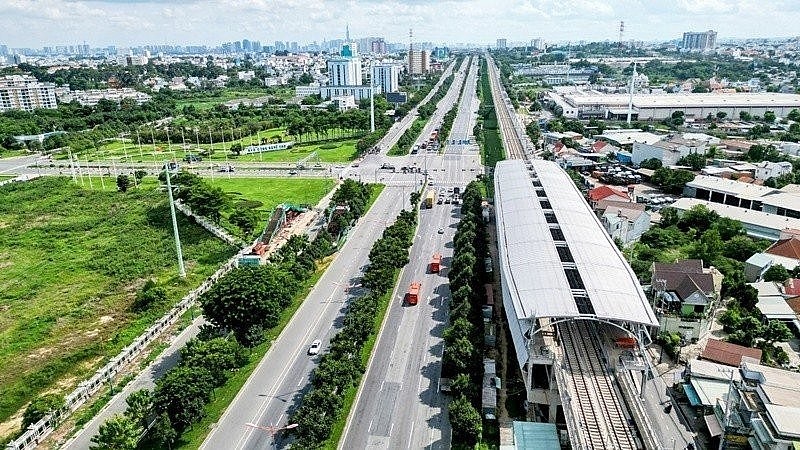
621, 33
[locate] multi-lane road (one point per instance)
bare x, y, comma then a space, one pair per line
399, 404
276, 386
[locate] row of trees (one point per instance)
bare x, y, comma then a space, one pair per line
341, 368
407, 139
429, 107
353, 196
464, 336
672, 181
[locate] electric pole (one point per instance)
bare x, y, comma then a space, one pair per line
181, 268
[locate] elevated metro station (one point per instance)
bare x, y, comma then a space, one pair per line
577, 313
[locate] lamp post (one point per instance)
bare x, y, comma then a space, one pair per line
181, 268
727, 412
273, 430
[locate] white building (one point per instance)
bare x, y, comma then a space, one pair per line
766, 170
92, 97
358, 92
246, 75
345, 102
344, 72
668, 151
305, 91
26, 92
131, 60
387, 76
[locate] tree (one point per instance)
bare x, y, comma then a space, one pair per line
123, 182
698, 217
117, 433
672, 181
219, 355
746, 295
776, 331
40, 407
465, 420
182, 394
744, 115
669, 217
245, 218
162, 431
776, 273
721, 115
236, 148
749, 329
139, 174
140, 404
740, 248
651, 163
694, 160
769, 116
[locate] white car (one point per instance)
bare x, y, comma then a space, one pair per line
441, 230
315, 346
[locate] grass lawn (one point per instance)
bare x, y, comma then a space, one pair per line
6, 177
231, 94
342, 150
273, 191
73, 259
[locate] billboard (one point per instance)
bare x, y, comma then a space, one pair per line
396, 97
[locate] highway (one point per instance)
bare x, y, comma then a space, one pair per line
399, 404
276, 386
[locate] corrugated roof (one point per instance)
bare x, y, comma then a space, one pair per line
536, 436
727, 353
731, 187
531, 264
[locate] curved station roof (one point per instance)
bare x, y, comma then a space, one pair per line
556, 259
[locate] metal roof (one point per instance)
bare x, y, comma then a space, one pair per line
746, 191
555, 256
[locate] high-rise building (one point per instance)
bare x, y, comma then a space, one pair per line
502, 43
699, 41
26, 92
387, 76
246, 45
378, 46
3, 50
418, 62
344, 71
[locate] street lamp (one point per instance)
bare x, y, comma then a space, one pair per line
273, 430
181, 268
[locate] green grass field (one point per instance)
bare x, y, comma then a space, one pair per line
72, 261
342, 150
273, 191
232, 94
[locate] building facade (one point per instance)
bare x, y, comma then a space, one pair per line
358, 92
26, 92
668, 151
387, 76
344, 71
418, 62
699, 41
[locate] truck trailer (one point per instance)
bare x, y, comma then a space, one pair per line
430, 198
413, 293
436, 262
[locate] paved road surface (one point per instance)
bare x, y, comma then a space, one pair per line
399, 404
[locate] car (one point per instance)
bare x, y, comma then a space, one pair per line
441, 230
226, 169
292, 172
315, 346
192, 158
355, 164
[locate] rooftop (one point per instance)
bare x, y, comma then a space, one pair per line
788, 248
628, 137
727, 353
546, 279
685, 100
731, 187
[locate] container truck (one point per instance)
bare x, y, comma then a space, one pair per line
412, 296
430, 198
436, 262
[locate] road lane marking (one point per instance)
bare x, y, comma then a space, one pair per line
410, 435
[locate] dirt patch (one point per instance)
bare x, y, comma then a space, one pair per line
92, 333
105, 319
11, 426
41, 353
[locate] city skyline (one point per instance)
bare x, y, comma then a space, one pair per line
190, 22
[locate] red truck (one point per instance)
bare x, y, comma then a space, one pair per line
436, 262
413, 293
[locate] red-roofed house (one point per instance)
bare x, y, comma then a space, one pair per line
607, 193
603, 147
729, 354
791, 287
788, 248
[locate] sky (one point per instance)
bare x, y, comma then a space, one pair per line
36, 23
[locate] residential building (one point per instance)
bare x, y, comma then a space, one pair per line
344, 102
607, 193
26, 92
502, 44
92, 97
359, 92
728, 353
766, 169
685, 286
773, 305
418, 62
699, 41
344, 71
668, 150
378, 46
387, 76
305, 91
624, 221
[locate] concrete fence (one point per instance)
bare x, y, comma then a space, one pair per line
212, 228
41, 429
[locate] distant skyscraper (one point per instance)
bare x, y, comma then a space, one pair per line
378, 46
699, 41
3, 50
246, 46
501, 43
237, 47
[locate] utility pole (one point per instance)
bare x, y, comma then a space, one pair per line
181, 268
630, 95
372, 98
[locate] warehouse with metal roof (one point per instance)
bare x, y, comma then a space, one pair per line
556, 260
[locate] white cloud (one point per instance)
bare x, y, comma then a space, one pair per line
132, 22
